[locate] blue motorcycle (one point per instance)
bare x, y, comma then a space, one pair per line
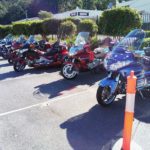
126, 56
5, 44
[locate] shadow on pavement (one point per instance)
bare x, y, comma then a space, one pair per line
100, 128
13, 74
142, 109
5, 65
96, 129
55, 88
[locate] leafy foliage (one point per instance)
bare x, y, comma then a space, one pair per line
51, 26
44, 14
146, 42
67, 28
119, 21
88, 25
12, 10
5, 30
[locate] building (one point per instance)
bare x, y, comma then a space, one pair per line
143, 6
79, 14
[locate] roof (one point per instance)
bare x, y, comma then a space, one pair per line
140, 5
78, 13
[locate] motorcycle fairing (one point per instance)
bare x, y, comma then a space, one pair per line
110, 83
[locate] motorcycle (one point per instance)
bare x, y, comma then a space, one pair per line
33, 57
126, 56
82, 58
5, 45
11, 53
21, 43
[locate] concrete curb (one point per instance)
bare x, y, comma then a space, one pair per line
118, 145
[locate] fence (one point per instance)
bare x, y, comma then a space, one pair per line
146, 21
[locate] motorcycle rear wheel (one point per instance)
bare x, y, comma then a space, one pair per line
104, 96
68, 71
18, 67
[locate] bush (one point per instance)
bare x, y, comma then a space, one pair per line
146, 42
44, 14
88, 25
67, 28
147, 34
27, 27
5, 30
95, 42
119, 21
51, 26
75, 21
36, 27
21, 28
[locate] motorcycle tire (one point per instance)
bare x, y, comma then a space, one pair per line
69, 75
18, 67
102, 99
4, 56
10, 61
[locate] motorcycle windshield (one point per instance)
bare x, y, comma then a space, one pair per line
7, 39
132, 41
31, 39
122, 54
81, 40
21, 39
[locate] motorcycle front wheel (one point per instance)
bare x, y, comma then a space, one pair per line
10, 61
68, 71
19, 66
5, 56
104, 96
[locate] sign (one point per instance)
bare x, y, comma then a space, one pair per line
73, 14
83, 14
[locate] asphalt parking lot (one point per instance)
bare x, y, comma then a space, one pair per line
39, 110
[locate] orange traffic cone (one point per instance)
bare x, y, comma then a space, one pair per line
125, 143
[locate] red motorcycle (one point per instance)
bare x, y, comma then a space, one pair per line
16, 45
81, 58
34, 57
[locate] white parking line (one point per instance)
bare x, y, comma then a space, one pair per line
40, 104
25, 76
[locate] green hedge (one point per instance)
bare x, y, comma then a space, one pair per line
146, 42
5, 30
48, 26
147, 34
36, 27
75, 21
119, 21
27, 27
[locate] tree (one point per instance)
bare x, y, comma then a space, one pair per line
119, 21
64, 5
44, 14
88, 25
67, 28
89, 4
